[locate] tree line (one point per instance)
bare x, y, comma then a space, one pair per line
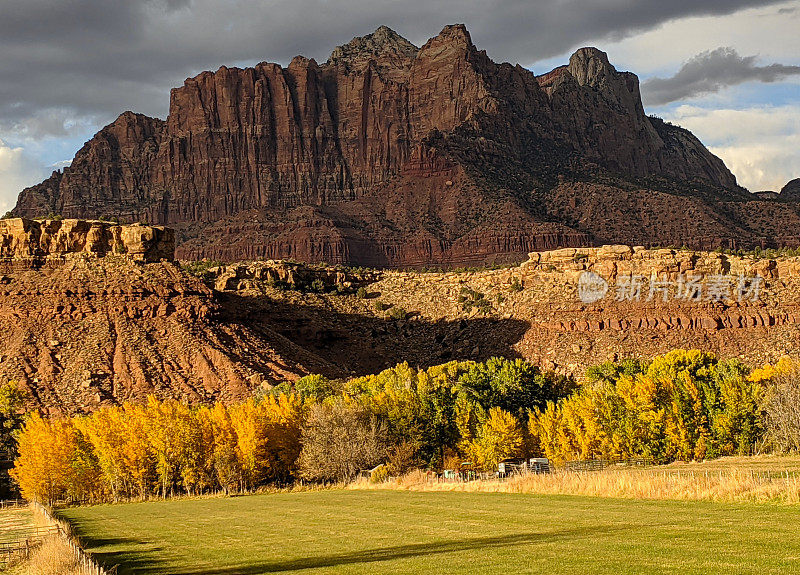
682, 405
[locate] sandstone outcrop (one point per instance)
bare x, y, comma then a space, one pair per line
36, 242
288, 275
393, 155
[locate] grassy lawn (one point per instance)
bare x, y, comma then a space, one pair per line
408, 532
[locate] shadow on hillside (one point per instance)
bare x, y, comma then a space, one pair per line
148, 563
358, 344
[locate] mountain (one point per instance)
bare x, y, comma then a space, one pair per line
393, 155
791, 191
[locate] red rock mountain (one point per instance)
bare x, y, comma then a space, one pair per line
393, 155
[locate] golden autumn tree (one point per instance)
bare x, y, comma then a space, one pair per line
106, 434
138, 459
224, 449
160, 428
55, 462
284, 418
499, 437
249, 426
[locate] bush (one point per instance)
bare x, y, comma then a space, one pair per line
339, 440
361, 293
317, 286
782, 412
200, 268
314, 386
380, 306
401, 458
516, 285
469, 299
398, 313
379, 475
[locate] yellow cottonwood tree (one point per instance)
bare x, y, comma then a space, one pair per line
499, 436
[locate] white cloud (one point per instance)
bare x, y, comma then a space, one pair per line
761, 146
769, 32
17, 171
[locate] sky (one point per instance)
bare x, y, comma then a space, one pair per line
729, 70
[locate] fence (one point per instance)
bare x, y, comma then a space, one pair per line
600, 464
87, 565
12, 503
20, 549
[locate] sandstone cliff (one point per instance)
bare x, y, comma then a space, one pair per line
393, 155
82, 330
35, 242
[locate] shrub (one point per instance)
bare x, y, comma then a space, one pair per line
317, 286
314, 386
782, 412
361, 293
401, 458
379, 475
199, 268
339, 439
516, 286
470, 298
398, 313
381, 306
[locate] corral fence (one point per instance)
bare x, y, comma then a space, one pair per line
13, 503
600, 464
21, 548
57, 527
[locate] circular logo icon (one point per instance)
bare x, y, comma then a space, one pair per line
591, 287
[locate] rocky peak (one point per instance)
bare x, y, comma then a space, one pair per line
590, 67
791, 191
383, 44
453, 39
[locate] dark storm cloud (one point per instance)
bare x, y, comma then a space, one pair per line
89, 60
710, 72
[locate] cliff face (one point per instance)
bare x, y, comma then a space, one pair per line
35, 242
389, 154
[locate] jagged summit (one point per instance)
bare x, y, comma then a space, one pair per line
382, 43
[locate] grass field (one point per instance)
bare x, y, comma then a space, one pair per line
409, 532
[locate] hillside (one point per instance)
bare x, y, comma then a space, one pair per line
87, 322
534, 311
93, 313
393, 155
